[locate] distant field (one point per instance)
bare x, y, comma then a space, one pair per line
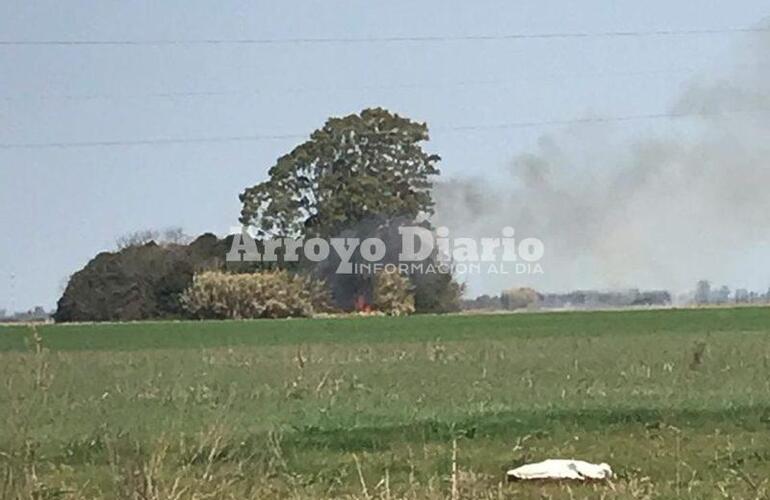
677, 401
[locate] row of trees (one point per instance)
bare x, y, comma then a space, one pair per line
511, 299
705, 294
527, 298
359, 176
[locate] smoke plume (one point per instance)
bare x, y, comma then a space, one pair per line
689, 203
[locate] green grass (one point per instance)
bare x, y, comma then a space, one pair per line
677, 401
370, 330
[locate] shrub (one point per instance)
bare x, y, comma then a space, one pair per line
267, 294
392, 294
142, 282
436, 293
137, 282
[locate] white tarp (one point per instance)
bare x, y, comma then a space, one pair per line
561, 469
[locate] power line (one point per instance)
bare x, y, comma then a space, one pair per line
415, 85
457, 128
392, 39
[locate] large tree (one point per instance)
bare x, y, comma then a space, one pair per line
360, 176
361, 167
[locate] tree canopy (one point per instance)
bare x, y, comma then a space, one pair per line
362, 166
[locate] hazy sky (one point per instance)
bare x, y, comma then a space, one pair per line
59, 207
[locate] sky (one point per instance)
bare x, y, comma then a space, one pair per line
59, 207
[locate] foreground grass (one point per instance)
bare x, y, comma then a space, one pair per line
677, 401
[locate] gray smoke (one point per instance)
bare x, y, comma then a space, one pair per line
690, 203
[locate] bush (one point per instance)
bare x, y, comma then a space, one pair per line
142, 282
138, 282
267, 294
392, 294
436, 293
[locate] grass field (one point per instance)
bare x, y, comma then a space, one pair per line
677, 401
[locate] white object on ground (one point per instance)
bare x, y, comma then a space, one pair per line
561, 469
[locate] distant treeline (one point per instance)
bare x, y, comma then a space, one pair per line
527, 298
705, 294
35, 314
